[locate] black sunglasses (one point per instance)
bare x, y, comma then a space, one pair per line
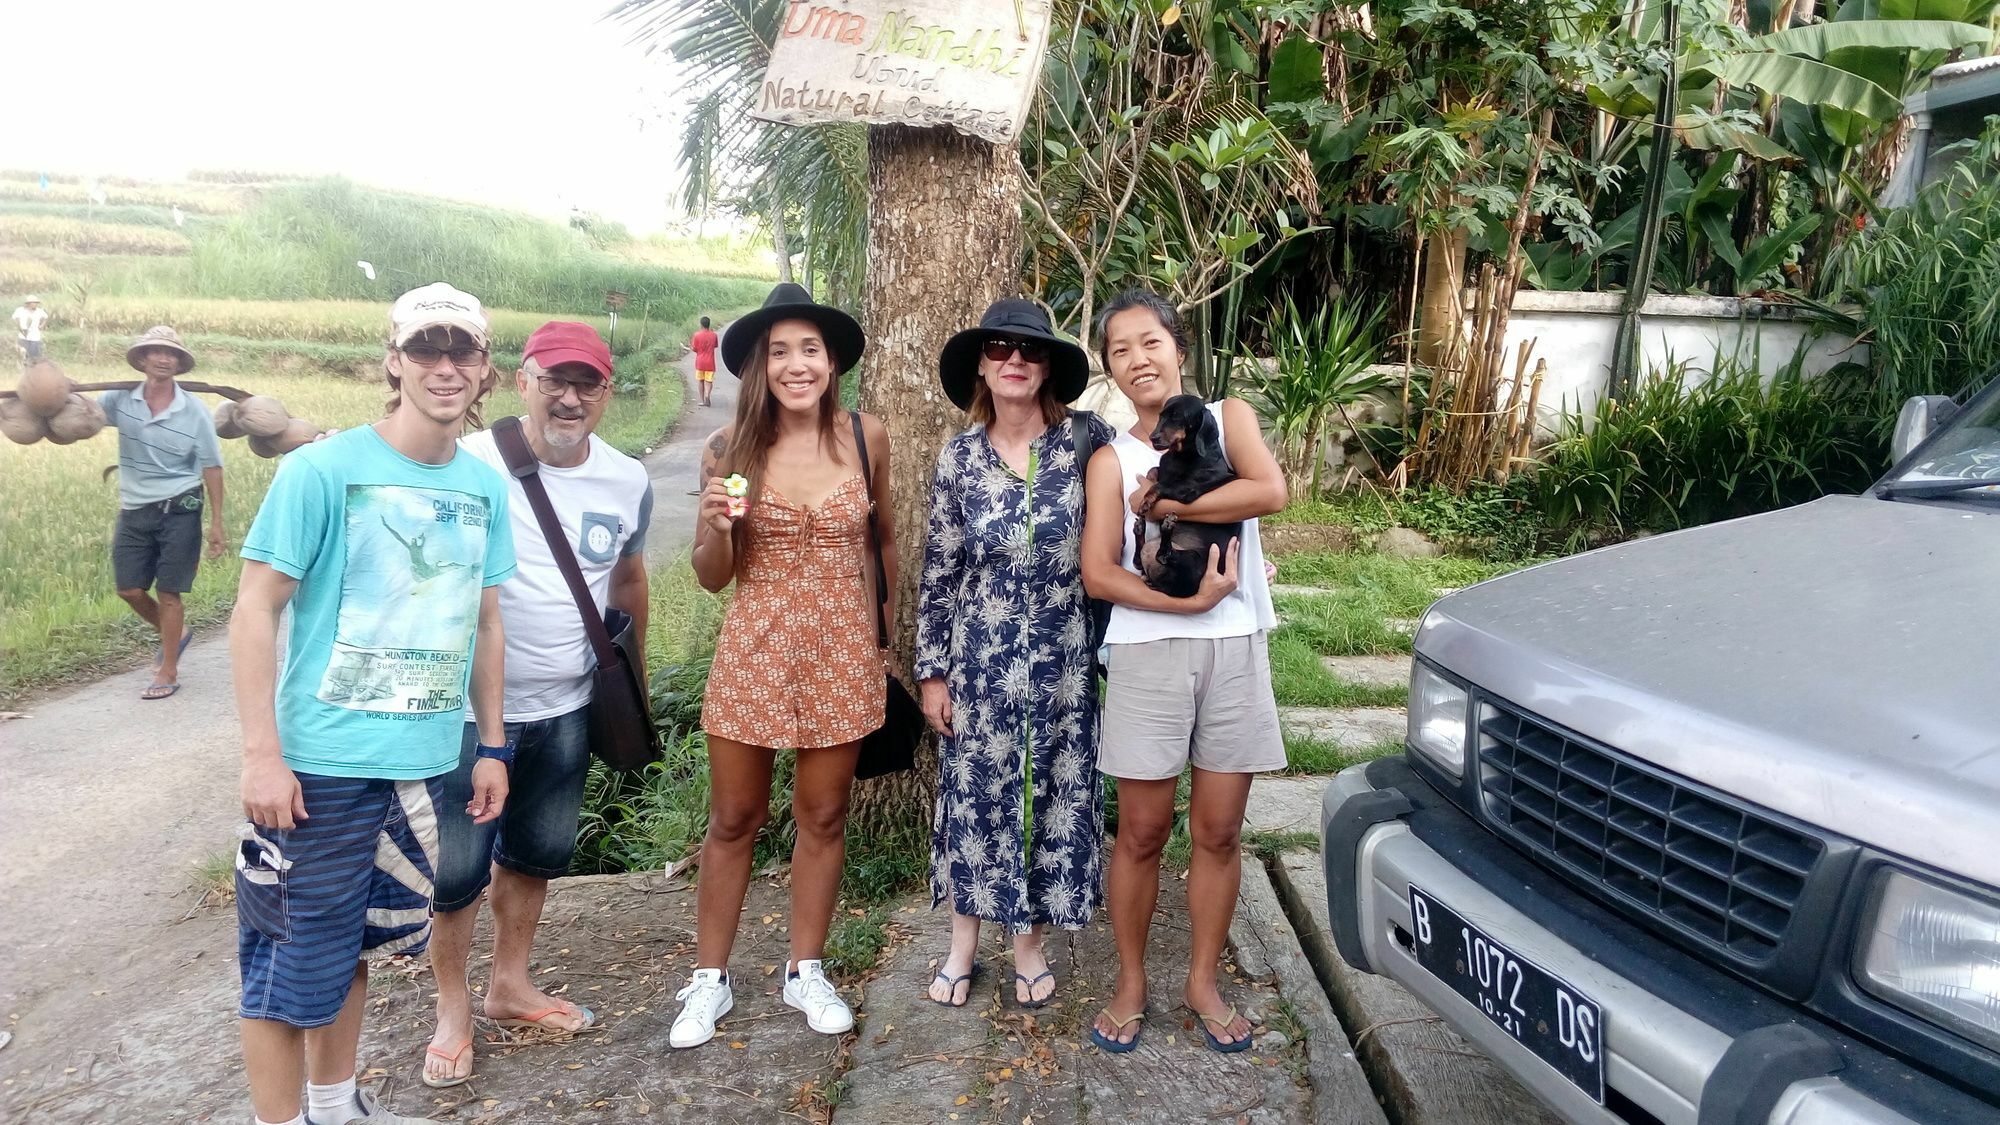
999, 348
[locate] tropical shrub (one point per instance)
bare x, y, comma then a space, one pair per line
1675, 454
1324, 365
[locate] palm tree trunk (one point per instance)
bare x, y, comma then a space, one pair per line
944, 241
1443, 316
781, 239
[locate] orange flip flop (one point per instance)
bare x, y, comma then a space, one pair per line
451, 1058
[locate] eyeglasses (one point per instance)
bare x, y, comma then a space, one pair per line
999, 348
554, 386
424, 355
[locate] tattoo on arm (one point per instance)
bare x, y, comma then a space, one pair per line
711, 463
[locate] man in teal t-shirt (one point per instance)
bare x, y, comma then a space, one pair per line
389, 544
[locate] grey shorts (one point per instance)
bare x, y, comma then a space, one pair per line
1182, 700
158, 545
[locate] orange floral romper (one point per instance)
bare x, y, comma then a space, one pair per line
796, 665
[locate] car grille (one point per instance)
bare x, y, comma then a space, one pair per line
1708, 866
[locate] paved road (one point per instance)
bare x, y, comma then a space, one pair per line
676, 466
109, 802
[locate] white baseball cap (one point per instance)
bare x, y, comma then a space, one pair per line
433, 306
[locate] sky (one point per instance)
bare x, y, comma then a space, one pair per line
532, 104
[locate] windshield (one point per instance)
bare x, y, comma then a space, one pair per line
1968, 449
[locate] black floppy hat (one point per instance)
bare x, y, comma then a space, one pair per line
789, 301
958, 363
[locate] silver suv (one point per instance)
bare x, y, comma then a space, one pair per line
1705, 828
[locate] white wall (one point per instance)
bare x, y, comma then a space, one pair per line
1575, 333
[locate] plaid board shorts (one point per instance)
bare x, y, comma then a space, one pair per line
352, 881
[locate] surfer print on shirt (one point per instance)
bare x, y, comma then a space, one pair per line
409, 599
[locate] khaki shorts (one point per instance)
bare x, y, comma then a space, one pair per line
1190, 699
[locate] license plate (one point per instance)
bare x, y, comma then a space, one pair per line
1558, 1024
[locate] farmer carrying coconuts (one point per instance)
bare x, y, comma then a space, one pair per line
167, 453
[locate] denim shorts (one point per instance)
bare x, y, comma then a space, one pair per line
535, 834
352, 881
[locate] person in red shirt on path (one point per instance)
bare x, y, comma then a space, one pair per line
704, 344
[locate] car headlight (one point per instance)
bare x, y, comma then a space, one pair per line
1437, 718
1936, 954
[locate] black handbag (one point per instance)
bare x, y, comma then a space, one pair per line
621, 719
891, 747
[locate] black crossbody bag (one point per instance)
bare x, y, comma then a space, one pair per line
621, 719
1099, 609
891, 747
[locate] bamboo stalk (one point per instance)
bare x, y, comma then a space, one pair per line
232, 393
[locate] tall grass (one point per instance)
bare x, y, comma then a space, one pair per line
301, 242
60, 618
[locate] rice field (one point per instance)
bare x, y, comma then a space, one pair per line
61, 620
207, 199
84, 236
322, 322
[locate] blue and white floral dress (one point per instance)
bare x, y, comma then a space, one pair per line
1004, 621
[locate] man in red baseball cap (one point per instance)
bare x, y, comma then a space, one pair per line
603, 501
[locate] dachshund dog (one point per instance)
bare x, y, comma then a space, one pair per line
1191, 463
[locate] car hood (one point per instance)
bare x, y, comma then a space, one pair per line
1838, 662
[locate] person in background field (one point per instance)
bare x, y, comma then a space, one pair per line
796, 664
1005, 659
704, 344
29, 317
389, 544
1188, 680
167, 454
604, 501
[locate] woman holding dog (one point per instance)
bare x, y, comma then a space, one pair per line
1189, 678
1004, 651
796, 665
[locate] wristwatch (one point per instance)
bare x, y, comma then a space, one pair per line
504, 753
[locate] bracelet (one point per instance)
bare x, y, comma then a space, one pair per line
504, 753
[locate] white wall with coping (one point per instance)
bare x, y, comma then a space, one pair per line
1575, 333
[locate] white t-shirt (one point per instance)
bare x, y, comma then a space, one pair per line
1245, 611
29, 322
604, 506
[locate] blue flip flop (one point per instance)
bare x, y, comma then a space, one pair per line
160, 651
953, 982
1225, 1019
1108, 1043
1022, 978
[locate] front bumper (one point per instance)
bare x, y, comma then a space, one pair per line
1683, 1041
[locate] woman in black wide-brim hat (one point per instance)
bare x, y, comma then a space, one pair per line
796, 663
1005, 651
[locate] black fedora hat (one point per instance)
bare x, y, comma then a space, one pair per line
1014, 318
789, 301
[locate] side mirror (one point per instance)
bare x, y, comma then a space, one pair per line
1919, 418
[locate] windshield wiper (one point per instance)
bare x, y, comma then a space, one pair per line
1921, 489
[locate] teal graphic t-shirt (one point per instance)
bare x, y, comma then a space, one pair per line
391, 556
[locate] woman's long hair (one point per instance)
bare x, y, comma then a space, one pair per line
756, 425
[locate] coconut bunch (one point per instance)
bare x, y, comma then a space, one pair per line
264, 420
47, 407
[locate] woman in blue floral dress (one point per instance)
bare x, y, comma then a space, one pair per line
1004, 651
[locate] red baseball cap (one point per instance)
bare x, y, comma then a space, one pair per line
566, 341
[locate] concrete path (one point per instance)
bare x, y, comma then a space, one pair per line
675, 464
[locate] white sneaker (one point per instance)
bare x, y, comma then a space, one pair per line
810, 992
367, 1112
706, 999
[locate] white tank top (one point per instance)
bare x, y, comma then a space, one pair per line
1248, 610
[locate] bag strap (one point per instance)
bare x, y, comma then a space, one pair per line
521, 462
1079, 440
874, 536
